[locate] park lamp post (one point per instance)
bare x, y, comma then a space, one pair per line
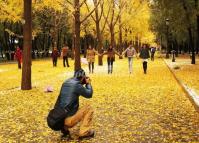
173, 55
167, 48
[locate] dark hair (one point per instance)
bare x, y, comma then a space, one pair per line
79, 74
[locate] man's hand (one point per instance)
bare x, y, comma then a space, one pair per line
88, 80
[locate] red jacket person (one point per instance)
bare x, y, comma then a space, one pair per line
18, 57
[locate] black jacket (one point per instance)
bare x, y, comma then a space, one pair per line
144, 53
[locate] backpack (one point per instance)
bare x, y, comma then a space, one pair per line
56, 118
130, 52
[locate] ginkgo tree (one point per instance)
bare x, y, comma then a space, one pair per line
118, 22
134, 23
99, 25
9, 12
27, 46
76, 4
124, 16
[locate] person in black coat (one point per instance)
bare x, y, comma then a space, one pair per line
144, 55
153, 50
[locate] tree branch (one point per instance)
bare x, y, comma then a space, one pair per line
82, 3
106, 19
102, 9
113, 12
13, 34
196, 4
65, 6
69, 2
121, 8
90, 13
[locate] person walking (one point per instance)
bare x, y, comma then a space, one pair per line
110, 58
153, 50
18, 57
90, 55
66, 113
55, 55
65, 55
144, 55
130, 51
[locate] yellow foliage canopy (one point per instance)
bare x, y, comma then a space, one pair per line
11, 10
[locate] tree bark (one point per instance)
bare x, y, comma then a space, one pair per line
120, 35
197, 48
85, 46
44, 41
190, 33
73, 42
192, 46
98, 31
77, 35
7, 47
112, 35
27, 46
99, 44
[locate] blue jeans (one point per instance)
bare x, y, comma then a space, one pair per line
130, 60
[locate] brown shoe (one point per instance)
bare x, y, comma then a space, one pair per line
90, 134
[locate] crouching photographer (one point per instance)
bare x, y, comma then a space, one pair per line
66, 113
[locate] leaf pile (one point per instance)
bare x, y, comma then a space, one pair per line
188, 73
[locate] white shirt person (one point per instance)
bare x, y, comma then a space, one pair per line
130, 54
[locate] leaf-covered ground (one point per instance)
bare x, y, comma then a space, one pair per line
188, 73
128, 108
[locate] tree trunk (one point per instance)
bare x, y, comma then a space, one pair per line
33, 48
120, 36
73, 47
44, 42
192, 46
176, 47
99, 36
120, 30
59, 40
197, 48
27, 33
73, 41
55, 31
190, 33
85, 46
99, 45
1, 48
6, 41
77, 35
112, 35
